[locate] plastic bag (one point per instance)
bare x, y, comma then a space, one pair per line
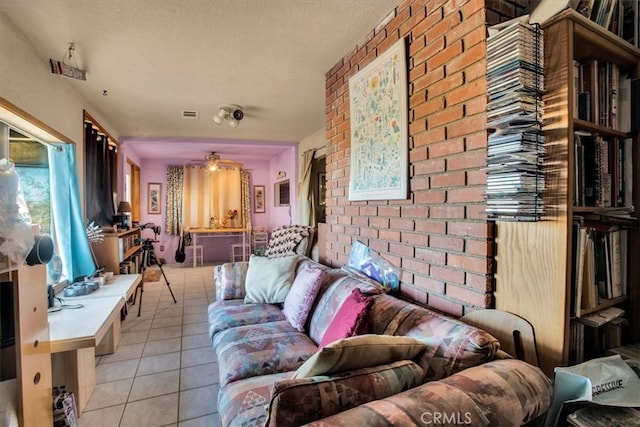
605, 381
16, 236
368, 262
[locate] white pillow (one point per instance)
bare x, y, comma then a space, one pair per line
269, 279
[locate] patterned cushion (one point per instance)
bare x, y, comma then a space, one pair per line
230, 314
229, 279
359, 352
298, 401
268, 348
245, 402
329, 300
350, 320
299, 300
498, 393
452, 345
285, 239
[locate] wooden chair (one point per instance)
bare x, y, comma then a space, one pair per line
516, 335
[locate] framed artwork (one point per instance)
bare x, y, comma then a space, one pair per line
379, 128
259, 199
154, 198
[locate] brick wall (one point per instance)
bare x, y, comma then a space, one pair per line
439, 236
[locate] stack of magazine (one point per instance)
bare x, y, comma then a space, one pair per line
515, 150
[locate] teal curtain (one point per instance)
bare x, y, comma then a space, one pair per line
68, 225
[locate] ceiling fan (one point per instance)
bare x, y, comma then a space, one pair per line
215, 163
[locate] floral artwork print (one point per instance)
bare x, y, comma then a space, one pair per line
378, 97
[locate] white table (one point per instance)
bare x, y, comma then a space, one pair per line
216, 232
76, 335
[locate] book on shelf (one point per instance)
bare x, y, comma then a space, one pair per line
601, 317
604, 416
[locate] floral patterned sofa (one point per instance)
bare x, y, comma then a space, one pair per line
456, 376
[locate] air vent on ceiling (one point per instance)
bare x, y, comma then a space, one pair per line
189, 114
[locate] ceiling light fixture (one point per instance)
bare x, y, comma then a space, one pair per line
231, 113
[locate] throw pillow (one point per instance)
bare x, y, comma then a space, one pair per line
349, 319
269, 280
363, 351
299, 300
295, 402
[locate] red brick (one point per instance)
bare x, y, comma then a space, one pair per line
472, 264
447, 148
465, 195
414, 211
428, 284
402, 250
429, 197
413, 293
417, 15
415, 239
470, 90
469, 296
431, 256
425, 138
391, 211
476, 177
360, 220
401, 224
449, 243
448, 275
418, 154
430, 226
445, 305
454, 179
479, 282
371, 233
446, 116
445, 85
447, 212
467, 126
430, 166
478, 247
418, 183
415, 266
476, 229
391, 235
428, 107
468, 160
379, 222
379, 245
476, 211
443, 57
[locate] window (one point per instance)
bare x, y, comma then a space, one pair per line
282, 193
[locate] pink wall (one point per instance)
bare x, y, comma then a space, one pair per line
262, 173
286, 162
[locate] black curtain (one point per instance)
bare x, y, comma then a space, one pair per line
100, 175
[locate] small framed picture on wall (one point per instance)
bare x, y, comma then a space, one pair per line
154, 196
259, 199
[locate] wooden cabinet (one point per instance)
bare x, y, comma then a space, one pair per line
534, 277
117, 248
31, 390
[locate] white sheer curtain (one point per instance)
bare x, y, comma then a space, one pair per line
306, 210
208, 194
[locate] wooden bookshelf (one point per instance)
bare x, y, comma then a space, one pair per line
534, 259
116, 248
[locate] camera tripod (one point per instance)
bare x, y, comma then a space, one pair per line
149, 258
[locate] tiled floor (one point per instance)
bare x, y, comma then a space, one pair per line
164, 372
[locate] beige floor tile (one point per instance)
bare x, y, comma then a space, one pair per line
194, 318
195, 309
173, 311
133, 337
165, 333
196, 341
195, 328
141, 325
156, 411
170, 345
211, 420
106, 372
124, 352
109, 394
198, 356
159, 363
153, 385
199, 376
164, 322
198, 402
107, 417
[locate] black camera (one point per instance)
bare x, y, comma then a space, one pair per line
238, 114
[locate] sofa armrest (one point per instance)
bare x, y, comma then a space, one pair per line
229, 279
299, 401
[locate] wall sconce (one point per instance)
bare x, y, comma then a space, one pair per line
231, 113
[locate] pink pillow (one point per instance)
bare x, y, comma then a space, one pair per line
350, 319
299, 300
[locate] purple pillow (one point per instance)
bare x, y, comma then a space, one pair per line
299, 300
350, 319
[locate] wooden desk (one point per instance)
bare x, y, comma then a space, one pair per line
216, 232
77, 335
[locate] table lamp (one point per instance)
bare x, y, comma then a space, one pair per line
124, 209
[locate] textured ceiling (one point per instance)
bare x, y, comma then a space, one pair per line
156, 58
